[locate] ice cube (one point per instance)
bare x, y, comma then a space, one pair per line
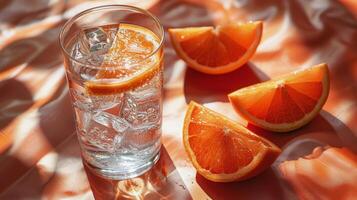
120, 125
111, 121
106, 131
101, 138
93, 40
147, 94
83, 119
93, 44
84, 71
145, 136
80, 100
105, 102
77, 53
103, 119
142, 108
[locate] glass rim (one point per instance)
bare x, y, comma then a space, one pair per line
71, 20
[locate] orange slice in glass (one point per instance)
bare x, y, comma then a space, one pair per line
124, 69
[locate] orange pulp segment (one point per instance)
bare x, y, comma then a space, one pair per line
222, 150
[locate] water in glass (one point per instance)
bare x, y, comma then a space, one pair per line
118, 122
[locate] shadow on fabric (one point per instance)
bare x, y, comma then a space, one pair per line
205, 88
160, 182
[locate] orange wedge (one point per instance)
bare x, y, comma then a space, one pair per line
222, 150
217, 50
285, 103
112, 77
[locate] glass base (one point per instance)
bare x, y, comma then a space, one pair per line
122, 174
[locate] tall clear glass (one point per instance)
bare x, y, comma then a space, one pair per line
113, 59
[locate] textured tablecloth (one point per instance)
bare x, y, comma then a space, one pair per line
40, 155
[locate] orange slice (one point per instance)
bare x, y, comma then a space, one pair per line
107, 88
222, 150
285, 103
118, 73
217, 50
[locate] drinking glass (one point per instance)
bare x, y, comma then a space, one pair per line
113, 59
